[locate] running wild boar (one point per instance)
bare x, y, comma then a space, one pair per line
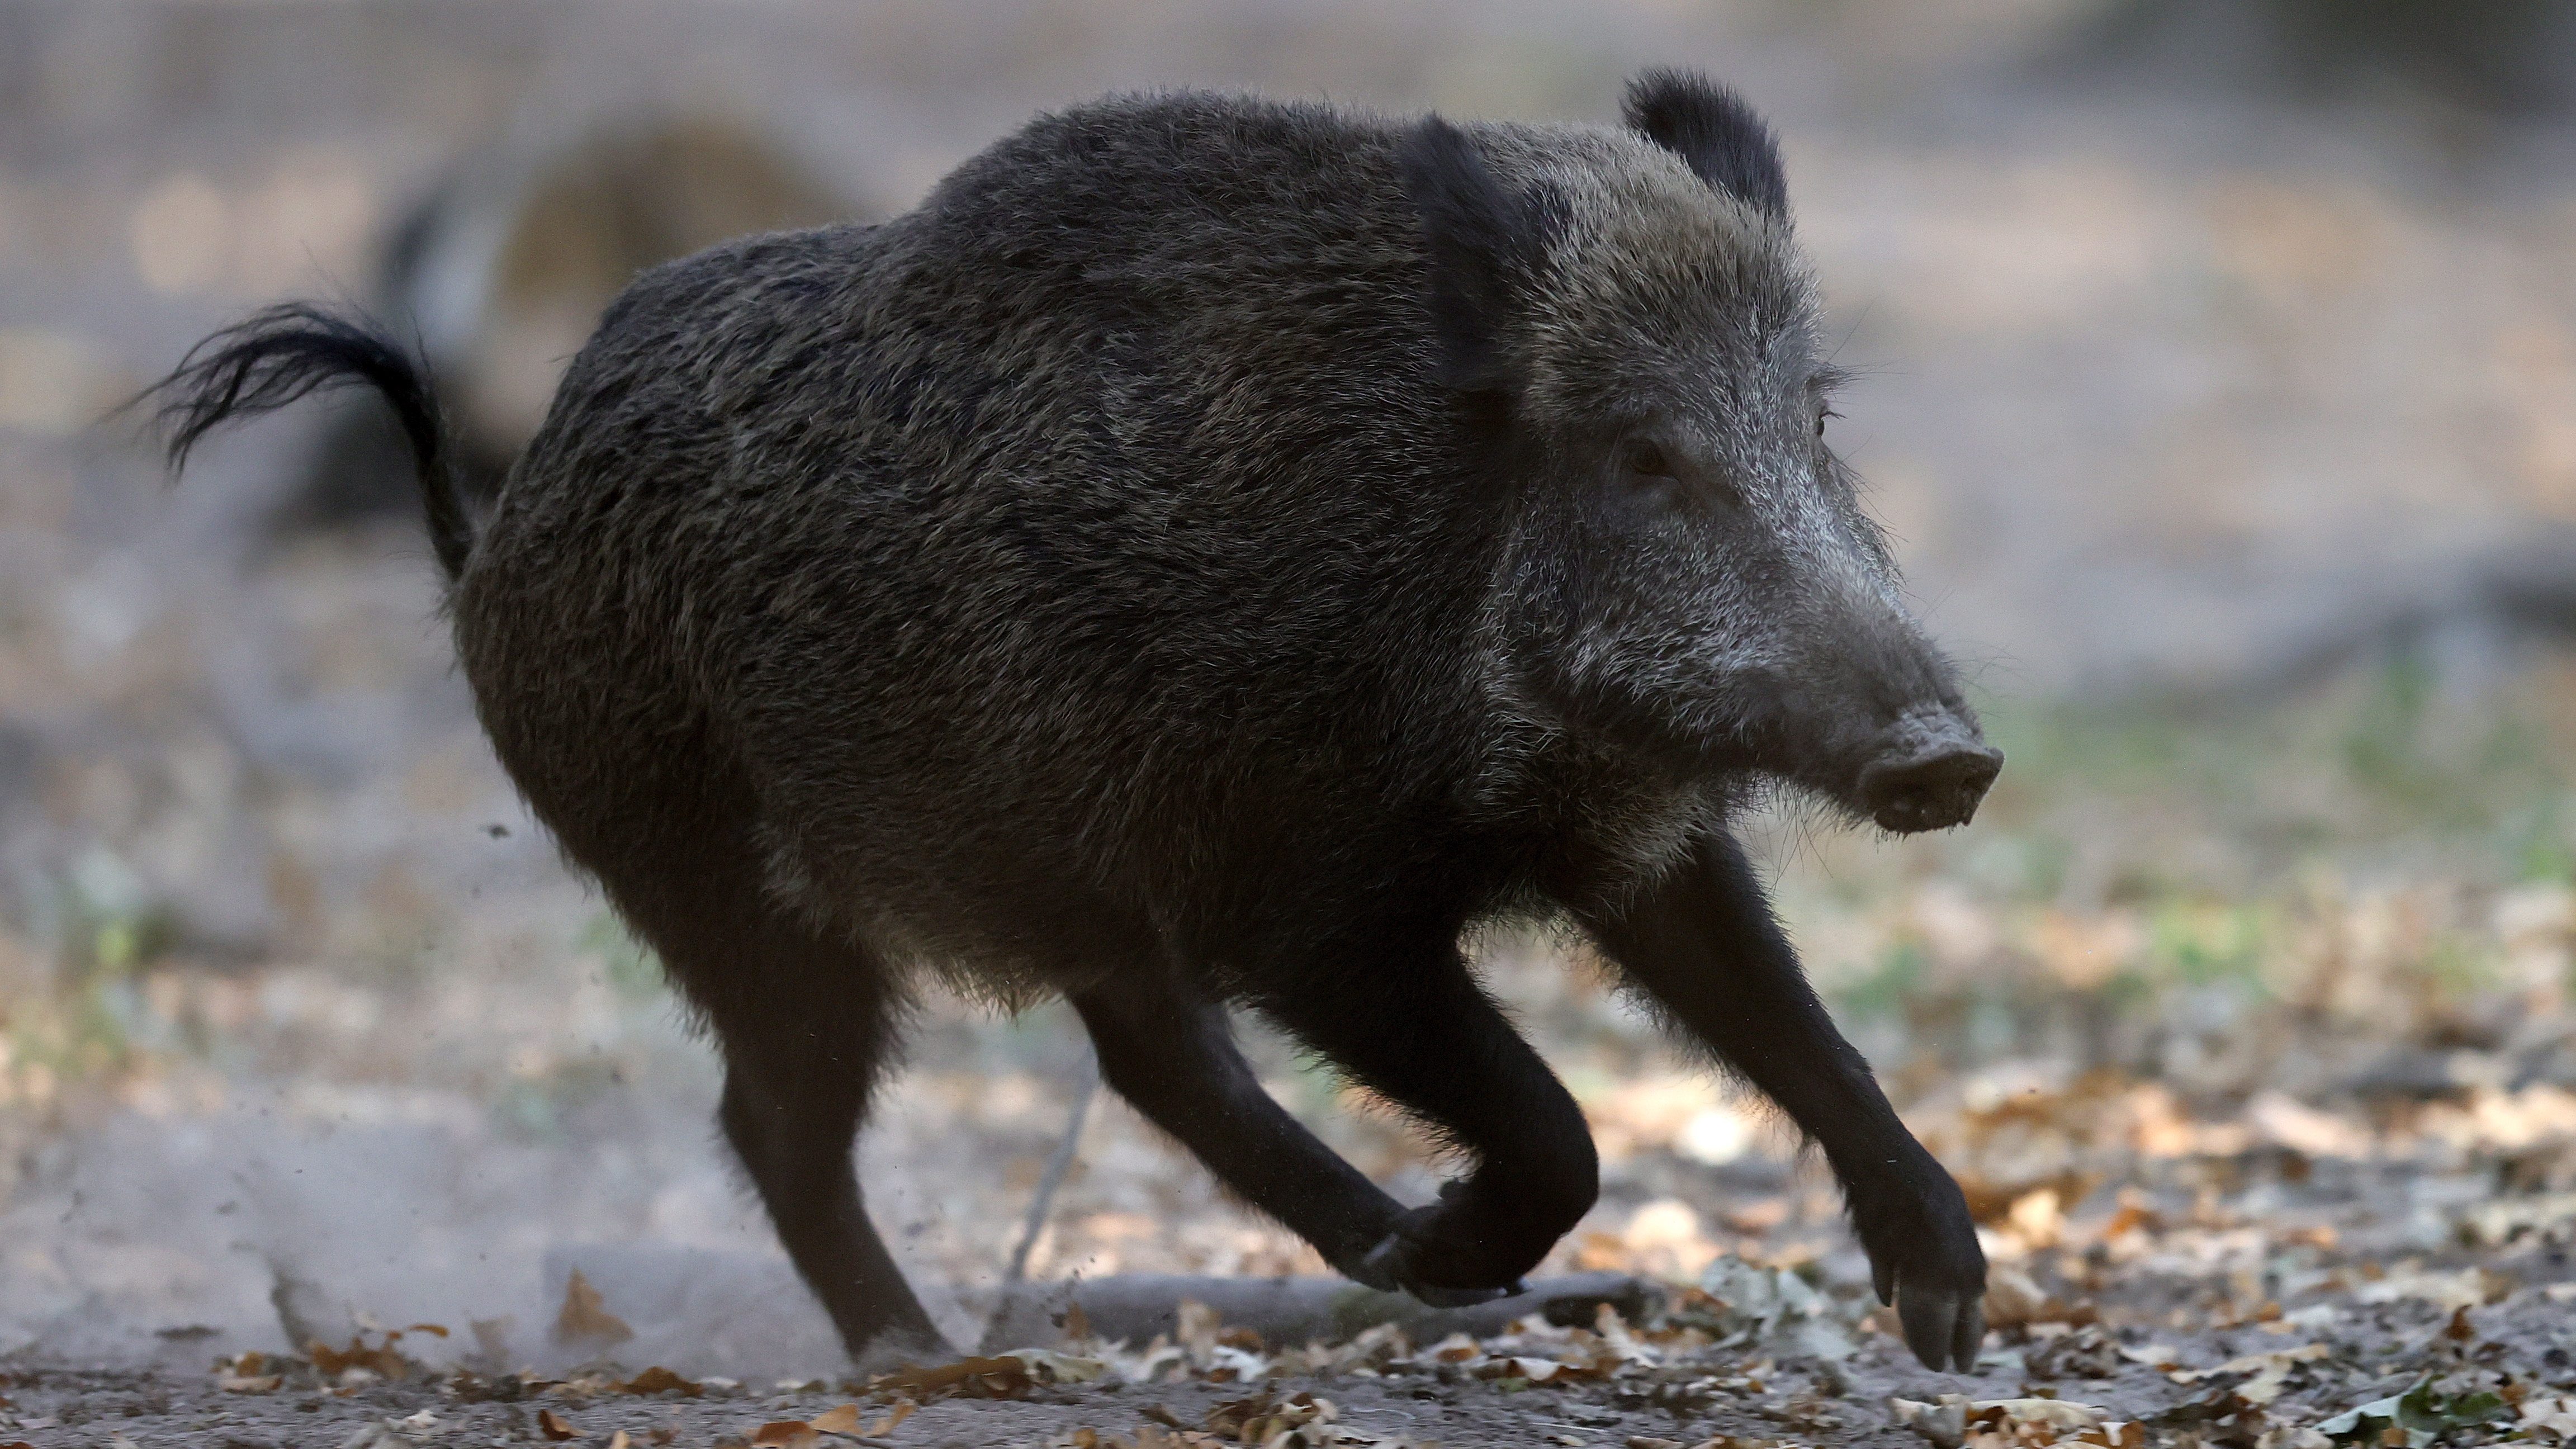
1215, 553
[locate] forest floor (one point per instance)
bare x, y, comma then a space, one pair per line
2287, 1275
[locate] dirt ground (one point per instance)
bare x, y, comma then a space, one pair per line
2246, 1021
2259, 1297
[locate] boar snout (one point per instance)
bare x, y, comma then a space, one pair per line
1931, 773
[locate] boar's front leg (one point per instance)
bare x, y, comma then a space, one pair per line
1704, 947
1409, 1021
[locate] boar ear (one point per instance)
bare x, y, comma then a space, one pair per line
1711, 128
1482, 242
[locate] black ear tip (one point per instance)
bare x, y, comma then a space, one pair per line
1671, 94
1650, 93
1709, 126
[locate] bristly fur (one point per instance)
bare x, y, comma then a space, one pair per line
1726, 143
289, 351
1215, 553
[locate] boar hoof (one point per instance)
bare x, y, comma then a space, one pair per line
1395, 1264
1925, 1259
1409, 1260
1944, 1328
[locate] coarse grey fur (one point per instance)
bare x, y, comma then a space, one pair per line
1221, 551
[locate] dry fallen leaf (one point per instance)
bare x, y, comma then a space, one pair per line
1944, 1423
380, 1359
2549, 1418
618, 1440
661, 1381
1536, 1370
2012, 1298
983, 1378
585, 1317
1048, 1366
843, 1420
786, 1433
2054, 1413
1229, 1417
2132, 1217
552, 1425
249, 1383
2269, 1370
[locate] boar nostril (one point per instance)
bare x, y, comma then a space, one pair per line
1932, 789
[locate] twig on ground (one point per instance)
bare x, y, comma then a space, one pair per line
1048, 1181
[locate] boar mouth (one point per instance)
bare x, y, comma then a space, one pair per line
1930, 774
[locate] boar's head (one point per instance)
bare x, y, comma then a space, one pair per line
1629, 326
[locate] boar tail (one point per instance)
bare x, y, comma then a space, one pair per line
276, 356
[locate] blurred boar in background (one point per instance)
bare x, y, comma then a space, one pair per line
505, 268
1215, 552
2497, 60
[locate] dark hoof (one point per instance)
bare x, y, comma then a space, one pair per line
1394, 1265
1943, 1328
1925, 1259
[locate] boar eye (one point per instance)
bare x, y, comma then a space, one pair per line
1646, 460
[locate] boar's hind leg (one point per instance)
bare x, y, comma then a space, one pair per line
792, 1102
806, 1027
1703, 945
1418, 1030
1170, 1052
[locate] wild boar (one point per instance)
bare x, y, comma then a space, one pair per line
1215, 553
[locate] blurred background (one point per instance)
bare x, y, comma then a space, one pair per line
2217, 371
